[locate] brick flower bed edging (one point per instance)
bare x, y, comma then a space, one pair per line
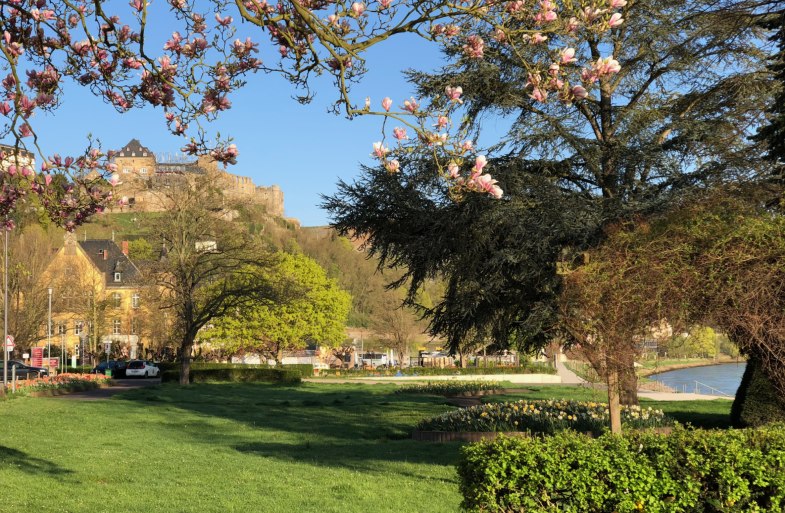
476, 436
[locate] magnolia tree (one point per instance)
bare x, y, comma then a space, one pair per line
113, 51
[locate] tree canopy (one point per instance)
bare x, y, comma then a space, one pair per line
310, 309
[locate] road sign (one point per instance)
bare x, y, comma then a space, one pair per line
9, 343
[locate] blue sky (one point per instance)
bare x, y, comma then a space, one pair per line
302, 148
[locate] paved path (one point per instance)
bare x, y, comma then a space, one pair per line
119, 385
567, 376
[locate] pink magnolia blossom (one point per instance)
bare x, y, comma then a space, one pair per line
379, 150
138, 4
479, 163
454, 93
333, 20
385, 4
567, 55
539, 94
515, 6
486, 183
606, 66
387, 103
453, 170
392, 166
358, 8
224, 22
474, 47
114, 180
452, 30
499, 35
48, 179
442, 122
467, 145
573, 24
411, 105
400, 133
615, 4
579, 92
615, 20
537, 39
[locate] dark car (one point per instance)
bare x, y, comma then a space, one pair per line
23, 371
116, 366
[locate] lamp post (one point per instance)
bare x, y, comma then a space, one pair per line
5, 308
49, 333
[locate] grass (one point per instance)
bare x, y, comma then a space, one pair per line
244, 448
228, 448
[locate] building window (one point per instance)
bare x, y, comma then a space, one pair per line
116, 300
142, 170
78, 327
135, 300
61, 328
126, 170
116, 327
118, 276
134, 326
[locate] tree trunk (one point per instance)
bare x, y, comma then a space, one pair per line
614, 406
628, 383
279, 355
185, 359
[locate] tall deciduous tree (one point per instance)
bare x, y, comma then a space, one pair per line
211, 265
311, 309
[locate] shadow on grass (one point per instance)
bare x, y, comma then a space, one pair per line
361, 457
30, 464
349, 412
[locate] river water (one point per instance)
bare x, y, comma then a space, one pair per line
723, 378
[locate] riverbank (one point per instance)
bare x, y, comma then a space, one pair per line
645, 372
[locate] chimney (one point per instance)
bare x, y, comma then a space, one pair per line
106, 254
124, 247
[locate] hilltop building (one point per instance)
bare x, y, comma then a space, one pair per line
143, 175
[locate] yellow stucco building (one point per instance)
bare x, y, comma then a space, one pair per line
96, 298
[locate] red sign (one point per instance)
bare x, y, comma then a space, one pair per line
38, 357
54, 363
9, 342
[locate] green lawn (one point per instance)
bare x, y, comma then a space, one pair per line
228, 448
242, 448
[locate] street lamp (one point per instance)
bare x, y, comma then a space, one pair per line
5, 308
49, 332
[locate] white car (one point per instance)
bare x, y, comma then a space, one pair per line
142, 369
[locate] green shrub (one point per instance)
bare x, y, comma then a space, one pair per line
547, 417
303, 370
686, 471
237, 375
756, 402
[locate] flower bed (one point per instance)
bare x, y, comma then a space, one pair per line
62, 382
452, 388
546, 417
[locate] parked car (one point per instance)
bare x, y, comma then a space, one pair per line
142, 369
116, 366
24, 371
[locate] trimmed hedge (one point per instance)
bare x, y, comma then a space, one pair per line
756, 402
527, 368
237, 375
303, 370
687, 471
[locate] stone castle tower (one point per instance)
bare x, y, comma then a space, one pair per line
141, 174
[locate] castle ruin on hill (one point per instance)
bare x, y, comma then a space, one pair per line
143, 175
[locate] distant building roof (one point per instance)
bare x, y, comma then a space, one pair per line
135, 149
109, 259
